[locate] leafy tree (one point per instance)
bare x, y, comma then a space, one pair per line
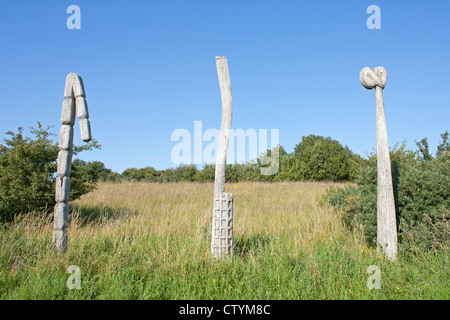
324, 159
133, 174
186, 173
424, 150
443, 149
112, 177
28, 172
142, 174
268, 163
93, 171
207, 174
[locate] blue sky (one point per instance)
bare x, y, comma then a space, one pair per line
149, 69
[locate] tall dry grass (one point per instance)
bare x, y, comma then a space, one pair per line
287, 211
151, 241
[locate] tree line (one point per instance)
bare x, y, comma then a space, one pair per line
315, 158
28, 168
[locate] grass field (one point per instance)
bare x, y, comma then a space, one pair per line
152, 241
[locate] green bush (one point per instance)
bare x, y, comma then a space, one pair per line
207, 174
320, 158
422, 199
28, 173
142, 174
94, 171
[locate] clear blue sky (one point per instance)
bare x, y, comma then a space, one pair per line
149, 68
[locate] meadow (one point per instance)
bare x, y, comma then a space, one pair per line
141, 240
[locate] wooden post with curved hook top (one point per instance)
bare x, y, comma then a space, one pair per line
74, 103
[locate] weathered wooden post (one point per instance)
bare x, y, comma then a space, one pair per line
222, 221
74, 102
386, 218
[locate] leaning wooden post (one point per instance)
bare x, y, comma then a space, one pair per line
386, 218
74, 102
222, 222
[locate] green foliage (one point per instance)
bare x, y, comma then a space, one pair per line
422, 198
186, 173
207, 174
85, 175
423, 202
424, 149
315, 158
322, 158
28, 172
443, 150
143, 174
92, 171
242, 172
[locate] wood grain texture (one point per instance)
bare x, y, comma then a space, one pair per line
74, 103
386, 216
225, 127
222, 221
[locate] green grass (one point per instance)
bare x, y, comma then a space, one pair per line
151, 241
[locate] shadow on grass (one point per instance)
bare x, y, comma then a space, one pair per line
85, 215
245, 245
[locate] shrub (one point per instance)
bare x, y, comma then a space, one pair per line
93, 171
207, 174
422, 199
142, 174
28, 172
325, 159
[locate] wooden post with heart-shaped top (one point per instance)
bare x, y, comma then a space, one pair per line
74, 103
386, 217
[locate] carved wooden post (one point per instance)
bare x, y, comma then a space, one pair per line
74, 102
386, 218
222, 222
